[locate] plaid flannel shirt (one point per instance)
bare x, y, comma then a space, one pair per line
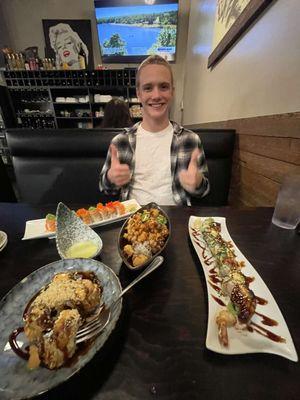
183, 143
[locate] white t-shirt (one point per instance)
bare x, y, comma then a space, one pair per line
152, 179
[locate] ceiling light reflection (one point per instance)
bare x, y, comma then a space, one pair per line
204, 50
208, 7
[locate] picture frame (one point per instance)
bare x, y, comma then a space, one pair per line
65, 38
246, 18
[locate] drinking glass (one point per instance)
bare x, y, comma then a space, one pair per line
287, 209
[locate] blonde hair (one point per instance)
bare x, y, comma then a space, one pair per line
153, 60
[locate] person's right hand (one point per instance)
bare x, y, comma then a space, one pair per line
118, 174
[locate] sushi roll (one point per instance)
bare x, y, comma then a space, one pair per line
50, 223
102, 211
84, 215
112, 209
120, 207
95, 215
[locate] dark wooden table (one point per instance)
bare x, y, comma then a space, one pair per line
157, 350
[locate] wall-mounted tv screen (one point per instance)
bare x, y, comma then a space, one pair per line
131, 30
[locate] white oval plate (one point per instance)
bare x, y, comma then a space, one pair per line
16, 380
36, 229
242, 341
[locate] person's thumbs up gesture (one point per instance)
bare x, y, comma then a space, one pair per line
118, 174
191, 177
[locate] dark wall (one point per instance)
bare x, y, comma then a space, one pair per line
4, 36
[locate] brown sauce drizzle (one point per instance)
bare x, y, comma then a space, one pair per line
82, 349
217, 289
266, 320
261, 301
195, 235
214, 278
208, 260
199, 244
266, 333
219, 301
201, 247
14, 345
249, 279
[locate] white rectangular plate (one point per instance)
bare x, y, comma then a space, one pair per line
242, 341
36, 229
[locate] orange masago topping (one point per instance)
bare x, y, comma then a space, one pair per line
50, 222
84, 215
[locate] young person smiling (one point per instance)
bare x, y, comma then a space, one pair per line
155, 160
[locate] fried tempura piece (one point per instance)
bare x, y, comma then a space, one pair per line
224, 319
34, 358
65, 329
139, 259
55, 315
128, 249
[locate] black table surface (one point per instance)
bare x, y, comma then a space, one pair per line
157, 349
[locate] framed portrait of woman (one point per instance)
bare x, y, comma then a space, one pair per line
68, 39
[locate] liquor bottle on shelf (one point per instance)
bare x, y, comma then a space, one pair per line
13, 62
26, 65
40, 64
17, 62
45, 64
32, 64
22, 61
8, 62
50, 64
37, 64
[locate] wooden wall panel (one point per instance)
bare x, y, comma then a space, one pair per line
268, 167
256, 189
267, 148
295, 145
279, 125
284, 149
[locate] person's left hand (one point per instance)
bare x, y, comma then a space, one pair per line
191, 178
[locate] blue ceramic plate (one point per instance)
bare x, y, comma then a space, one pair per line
16, 380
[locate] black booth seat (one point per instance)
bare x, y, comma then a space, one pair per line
64, 165
7, 193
